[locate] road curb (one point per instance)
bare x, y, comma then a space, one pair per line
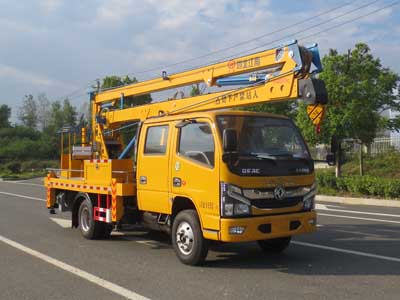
359, 201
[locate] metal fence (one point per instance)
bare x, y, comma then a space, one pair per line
378, 146
351, 147
382, 145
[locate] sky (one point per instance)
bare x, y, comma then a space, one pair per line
60, 47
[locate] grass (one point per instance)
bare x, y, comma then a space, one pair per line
22, 175
328, 191
384, 165
18, 170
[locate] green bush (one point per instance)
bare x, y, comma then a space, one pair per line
341, 183
326, 180
38, 165
14, 167
375, 186
392, 189
365, 185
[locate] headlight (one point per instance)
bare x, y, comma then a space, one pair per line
228, 209
234, 189
308, 204
309, 198
241, 209
233, 203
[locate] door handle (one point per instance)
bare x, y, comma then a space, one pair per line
177, 182
143, 180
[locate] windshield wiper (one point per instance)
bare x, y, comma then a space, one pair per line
277, 156
259, 156
282, 154
293, 156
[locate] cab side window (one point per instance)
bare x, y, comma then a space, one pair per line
156, 140
196, 142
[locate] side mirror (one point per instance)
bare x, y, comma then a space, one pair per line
229, 140
331, 159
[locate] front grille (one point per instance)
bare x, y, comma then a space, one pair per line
273, 203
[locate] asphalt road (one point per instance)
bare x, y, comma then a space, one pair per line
354, 255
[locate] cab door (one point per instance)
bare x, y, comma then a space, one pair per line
153, 168
195, 169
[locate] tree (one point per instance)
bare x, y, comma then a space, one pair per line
28, 112
43, 111
283, 108
50, 138
56, 121
18, 143
195, 91
5, 114
359, 89
115, 81
84, 115
69, 113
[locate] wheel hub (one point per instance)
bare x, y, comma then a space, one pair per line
185, 238
85, 219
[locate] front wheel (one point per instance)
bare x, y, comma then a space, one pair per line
187, 238
277, 245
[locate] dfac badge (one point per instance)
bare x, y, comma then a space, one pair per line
279, 193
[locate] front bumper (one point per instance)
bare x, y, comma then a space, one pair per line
268, 227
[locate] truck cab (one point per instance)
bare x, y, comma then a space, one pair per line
243, 176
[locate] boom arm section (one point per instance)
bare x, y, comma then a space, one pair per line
285, 70
278, 74
281, 88
288, 58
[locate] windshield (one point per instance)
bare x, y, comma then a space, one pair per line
265, 136
266, 146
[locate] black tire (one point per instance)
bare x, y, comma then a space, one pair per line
277, 245
187, 238
89, 228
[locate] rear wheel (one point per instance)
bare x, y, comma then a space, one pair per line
187, 238
89, 228
277, 245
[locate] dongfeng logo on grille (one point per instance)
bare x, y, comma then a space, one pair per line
279, 193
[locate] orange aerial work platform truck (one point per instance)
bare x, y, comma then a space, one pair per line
193, 168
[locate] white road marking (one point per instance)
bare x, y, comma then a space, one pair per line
23, 196
117, 233
358, 218
127, 234
337, 206
367, 234
62, 222
359, 253
25, 183
324, 207
76, 271
148, 243
320, 206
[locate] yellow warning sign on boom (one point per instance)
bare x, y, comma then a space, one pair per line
316, 112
